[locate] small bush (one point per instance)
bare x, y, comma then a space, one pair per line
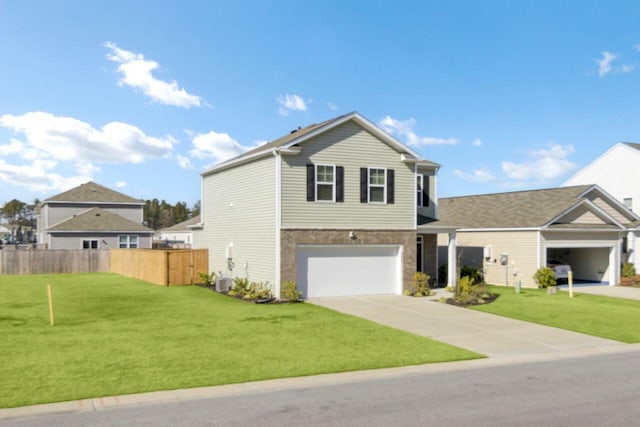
240, 287
207, 279
471, 272
419, 285
628, 270
466, 286
545, 277
289, 291
443, 272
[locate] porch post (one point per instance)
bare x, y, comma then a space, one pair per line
452, 260
614, 273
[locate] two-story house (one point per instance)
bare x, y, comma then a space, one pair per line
617, 171
91, 216
333, 206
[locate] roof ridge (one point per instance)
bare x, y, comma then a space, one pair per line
522, 191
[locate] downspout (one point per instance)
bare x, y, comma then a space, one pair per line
278, 224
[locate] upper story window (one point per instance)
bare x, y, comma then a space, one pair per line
422, 190
377, 185
628, 202
325, 183
128, 242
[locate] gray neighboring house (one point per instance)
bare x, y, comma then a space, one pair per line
332, 206
511, 235
178, 235
91, 216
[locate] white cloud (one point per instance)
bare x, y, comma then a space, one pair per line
48, 141
69, 139
405, 128
627, 68
332, 106
637, 47
121, 184
604, 64
137, 73
541, 165
477, 142
290, 103
184, 162
216, 146
478, 175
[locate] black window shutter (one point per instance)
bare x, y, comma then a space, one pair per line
364, 177
390, 186
425, 190
339, 184
311, 183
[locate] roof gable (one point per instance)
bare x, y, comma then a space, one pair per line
629, 147
183, 226
99, 220
91, 192
289, 144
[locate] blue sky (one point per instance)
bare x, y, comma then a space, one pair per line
142, 96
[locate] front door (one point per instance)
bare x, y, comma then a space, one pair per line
419, 258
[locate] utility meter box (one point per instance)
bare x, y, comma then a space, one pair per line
504, 259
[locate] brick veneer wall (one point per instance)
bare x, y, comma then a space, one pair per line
289, 238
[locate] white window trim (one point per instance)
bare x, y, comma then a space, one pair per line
384, 186
89, 239
419, 190
333, 184
129, 236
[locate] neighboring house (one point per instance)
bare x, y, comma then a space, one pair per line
179, 235
332, 206
617, 171
511, 235
91, 216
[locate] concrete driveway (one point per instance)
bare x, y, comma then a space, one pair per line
628, 292
488, 334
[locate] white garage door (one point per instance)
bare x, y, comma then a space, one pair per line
323, 271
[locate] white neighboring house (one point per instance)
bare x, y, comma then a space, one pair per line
178, 235
617, 171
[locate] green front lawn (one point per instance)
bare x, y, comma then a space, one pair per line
606, 317
115, 335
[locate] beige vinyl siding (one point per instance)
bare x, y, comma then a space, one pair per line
608, 208
429, 211
351, 147
239, 207
521, 246
580, 215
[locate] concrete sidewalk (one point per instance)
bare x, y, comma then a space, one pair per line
627, 292
488, 334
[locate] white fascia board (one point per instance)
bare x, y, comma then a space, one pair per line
459, 230
54, 202
582, 230
236, 162
612, 200
99, 231
435, 230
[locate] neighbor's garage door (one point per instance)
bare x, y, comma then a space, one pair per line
323, 271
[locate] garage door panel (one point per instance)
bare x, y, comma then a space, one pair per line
354, 270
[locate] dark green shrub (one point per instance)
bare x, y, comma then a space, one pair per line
545, 277
471, 272
443, 272
628, 270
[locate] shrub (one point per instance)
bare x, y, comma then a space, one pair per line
545, 277
630, 281
240, 287
471, 272
628, 270
443, 273
466, 286
289, 291
258, 290
419, 285
207, 279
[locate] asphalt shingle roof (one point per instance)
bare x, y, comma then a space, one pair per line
91, 192
519, 209
183, 226
99, 220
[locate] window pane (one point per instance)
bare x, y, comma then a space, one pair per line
133, 241
86, 244
376, 177
419, 182
376, 194
94, 244
325, 192
325, 173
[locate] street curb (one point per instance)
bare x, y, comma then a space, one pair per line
168, 396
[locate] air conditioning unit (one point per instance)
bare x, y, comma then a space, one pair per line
223, 284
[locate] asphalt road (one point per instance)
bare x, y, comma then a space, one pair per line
601, 390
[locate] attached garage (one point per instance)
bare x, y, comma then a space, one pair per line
345, 270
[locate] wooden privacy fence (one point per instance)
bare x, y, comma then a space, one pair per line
162, 267
54, 261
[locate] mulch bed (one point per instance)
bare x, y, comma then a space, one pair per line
478, 301
253, 301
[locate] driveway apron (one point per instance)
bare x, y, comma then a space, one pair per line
488, 334
628, 292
